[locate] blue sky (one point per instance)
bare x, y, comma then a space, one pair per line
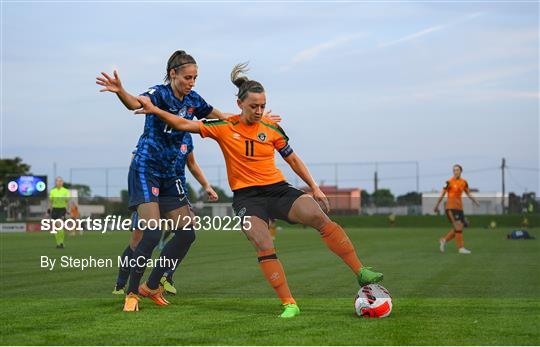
437, 83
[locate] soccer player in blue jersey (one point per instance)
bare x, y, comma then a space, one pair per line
186, 157
155, 188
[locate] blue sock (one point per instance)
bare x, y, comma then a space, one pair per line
123, 272
143, 252
176, 248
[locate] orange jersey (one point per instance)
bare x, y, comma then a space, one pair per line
455, 188
248, 150
74, 211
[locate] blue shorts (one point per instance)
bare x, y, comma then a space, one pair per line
167, 192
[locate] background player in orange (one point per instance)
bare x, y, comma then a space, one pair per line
455, 187
248, 142
272, 228
74, 214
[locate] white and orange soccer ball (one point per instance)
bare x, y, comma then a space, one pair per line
373, 301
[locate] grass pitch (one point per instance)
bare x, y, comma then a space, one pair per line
491, 297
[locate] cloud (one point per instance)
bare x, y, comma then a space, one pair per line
495, 84
432, 30
413, 36
311, 53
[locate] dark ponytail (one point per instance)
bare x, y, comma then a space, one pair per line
178, 59
244, 84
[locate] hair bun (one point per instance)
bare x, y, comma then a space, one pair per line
243, 83
237, 72
239, 81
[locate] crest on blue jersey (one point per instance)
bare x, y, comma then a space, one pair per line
183, 148
182, 112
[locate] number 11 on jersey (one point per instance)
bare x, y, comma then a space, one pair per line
250, 148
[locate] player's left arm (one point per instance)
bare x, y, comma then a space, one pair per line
298, 166
468, 192
197, 172
281, 144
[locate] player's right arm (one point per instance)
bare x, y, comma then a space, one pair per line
468, 192
443, 193
114, 85
179, 123
197, 172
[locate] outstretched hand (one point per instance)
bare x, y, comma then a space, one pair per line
273, 117
111, 84
319, 196
147, 105
211, 193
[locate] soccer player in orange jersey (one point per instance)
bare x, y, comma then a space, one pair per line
455, 187
248, 142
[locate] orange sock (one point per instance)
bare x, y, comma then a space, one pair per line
274, 273
337, 240
450, 235
459, 239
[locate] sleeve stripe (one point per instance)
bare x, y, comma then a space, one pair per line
212, 122
277, 129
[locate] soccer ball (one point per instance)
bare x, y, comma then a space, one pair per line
373, 301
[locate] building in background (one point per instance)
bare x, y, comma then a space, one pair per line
342, 200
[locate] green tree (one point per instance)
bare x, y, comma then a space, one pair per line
124, 195
410, 199
383, 198
83, 190
11, 167
365, 198
191, 193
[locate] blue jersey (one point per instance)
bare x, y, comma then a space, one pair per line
185, 149
159, 146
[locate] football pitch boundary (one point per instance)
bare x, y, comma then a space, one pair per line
490, 297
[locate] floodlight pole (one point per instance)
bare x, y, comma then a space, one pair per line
417, 177
336, 173
503, 166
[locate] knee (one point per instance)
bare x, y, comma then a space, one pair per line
136, 237
318, 219
133, 244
